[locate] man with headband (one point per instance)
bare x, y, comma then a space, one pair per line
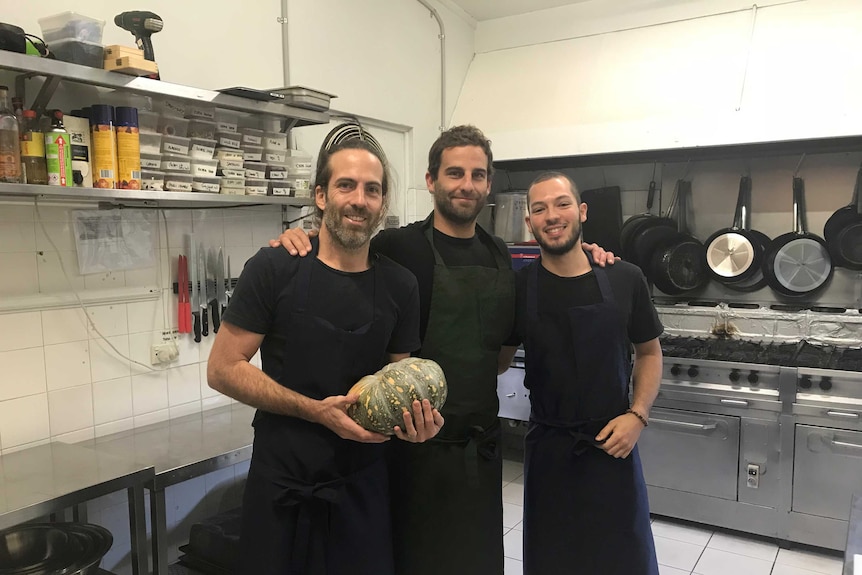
316, 501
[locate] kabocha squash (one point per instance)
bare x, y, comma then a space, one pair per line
385, 395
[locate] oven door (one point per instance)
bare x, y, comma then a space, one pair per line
514, 397
692, 452
827, 471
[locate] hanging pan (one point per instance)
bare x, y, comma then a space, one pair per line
653, 232
757, 280
797, 263
631, 225
678, 265
843, 231
733, 254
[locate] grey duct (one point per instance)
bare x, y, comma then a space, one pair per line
442, 37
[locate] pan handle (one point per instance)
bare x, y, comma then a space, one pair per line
742, 217
674, 200
800, 220
857, 194
651, 194
683, 195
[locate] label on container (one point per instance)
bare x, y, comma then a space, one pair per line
205, 187
254, 174
302, 166
178, 186
203, 170
154, 163
172, 108
276, 157
276, 143
202, 152
104, 156
33, 145
278, 174
281, 190
301, 184
232, 164
233, 182
228, 142
128, 158
255, 190
233, 173
252, 156
153, 185
176, 165
58, 157
251, 139
205, 113
174, 148
227, 127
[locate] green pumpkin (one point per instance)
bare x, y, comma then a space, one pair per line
386, 395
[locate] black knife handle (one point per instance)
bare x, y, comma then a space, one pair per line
214, 313
205, 322
197, 326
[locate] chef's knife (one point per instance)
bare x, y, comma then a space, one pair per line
196, 293
202, 290
229, 293
212, 289
221, 290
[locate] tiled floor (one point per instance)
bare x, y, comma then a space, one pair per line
682, 549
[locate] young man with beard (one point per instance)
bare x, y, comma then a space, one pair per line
585, 500
447, 491
316, 501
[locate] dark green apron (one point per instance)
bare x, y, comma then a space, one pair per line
446, 493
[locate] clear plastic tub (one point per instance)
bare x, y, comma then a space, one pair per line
272, 157
79, 52
229, 140
204, 168
299, 165
71, 26
252, 153
152, 180
176, 163
202, 129
256, 187
275, 141
168, 107
202, 149
151, 143
300, 184
233, 183
151, 161
231, 173
175, 145
255, 170
229, 158
210, 185
276, 172
173, 126
252, 137
232, 191
279, 188
178, 182
227, 121
148, 122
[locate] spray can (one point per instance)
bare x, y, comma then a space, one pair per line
128, 149
58, 152
104, 142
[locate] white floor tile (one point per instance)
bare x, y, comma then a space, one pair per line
513, 545
681, 532
717, 562
817, 562
750, 547
678, 554
512, 470
513, 566
514, 493
512, 515
665, 570
779, 569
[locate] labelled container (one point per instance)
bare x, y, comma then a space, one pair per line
227, 121
176, 163
252, 153
178, 182
71, 26
209, 185
255, 170
151, 161
168, 107
276, 172
252, 137
227, 158
275, 141
202, 149
173, 126
128, 149
233, 183
200, 112
256, 187
301, 187
202, 129
58, 153
279, 188
272, 157
104, 141
152, 180
148, 122
229, 140
175, 145
204, 168
151, 143
232, 191
306, 98
231, 173
299, 165
79, 52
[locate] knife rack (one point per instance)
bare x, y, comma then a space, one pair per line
230, 283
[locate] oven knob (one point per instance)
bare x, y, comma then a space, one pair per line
805, 382
693, 371
826, 383
734, 375
675, 369
753, 378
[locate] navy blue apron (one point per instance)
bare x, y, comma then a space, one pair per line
585, 512
316, 504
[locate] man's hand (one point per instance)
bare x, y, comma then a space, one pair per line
422, 425
295, 241
624, 432
600, 256
332, 413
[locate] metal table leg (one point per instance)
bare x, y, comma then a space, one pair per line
159, 524
138, 530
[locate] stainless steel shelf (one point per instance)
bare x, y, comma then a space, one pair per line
53, 69
133, 198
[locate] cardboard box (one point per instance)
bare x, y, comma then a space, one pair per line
132, 65
117, 51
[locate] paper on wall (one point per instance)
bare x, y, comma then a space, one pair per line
114, 240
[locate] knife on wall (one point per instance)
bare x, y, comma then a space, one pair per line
202, 298
212, 289
196, 293
221, 289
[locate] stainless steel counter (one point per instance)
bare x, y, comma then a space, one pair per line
853, 552
180, 449
51, 478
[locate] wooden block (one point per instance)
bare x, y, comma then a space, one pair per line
134, 66
118, 51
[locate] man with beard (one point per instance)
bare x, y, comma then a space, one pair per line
316, 501
448, 490
585, 500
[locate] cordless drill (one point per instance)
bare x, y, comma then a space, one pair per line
142, 25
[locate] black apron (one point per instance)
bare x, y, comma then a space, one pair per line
446, 493
316, 504
585, 512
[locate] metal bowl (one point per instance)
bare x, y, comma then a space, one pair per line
96, 541
53, 548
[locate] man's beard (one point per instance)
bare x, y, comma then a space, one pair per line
459, 215
350, 238
563, 248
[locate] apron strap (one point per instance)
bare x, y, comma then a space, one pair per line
500, 258
303, 278
533, 290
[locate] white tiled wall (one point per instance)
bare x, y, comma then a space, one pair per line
59, 379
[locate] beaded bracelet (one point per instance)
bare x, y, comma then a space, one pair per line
639, 416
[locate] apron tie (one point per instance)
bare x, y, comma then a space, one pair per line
580, 432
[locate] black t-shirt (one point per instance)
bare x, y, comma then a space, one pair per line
556, 294
261, 301
409, 247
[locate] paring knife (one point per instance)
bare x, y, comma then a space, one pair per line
202, 290
221, 290
196, 292
212, 289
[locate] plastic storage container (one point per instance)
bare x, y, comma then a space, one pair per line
229, 158
151, 161
307, 98
178, 182
276, 172
173, 126
251, 137
79, 52
275, 141
175, 108
298, 165
210, 185
204, 168
233, 183
202, 149
256, 187
255, 170
272, 157
151, 143
229, 140
148, 122
152, 180
227, 121
176, 163
232, 191
202, 129
203, 112
231, 173
71, 26
252, 153
279, 188
301, 187
175, 145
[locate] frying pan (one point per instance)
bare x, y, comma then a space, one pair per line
653, 231
632, 224
843, 231
797, 263
679, 263
734, 254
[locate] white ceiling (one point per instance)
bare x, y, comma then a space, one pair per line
490, 9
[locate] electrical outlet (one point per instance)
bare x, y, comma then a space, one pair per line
164, 353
